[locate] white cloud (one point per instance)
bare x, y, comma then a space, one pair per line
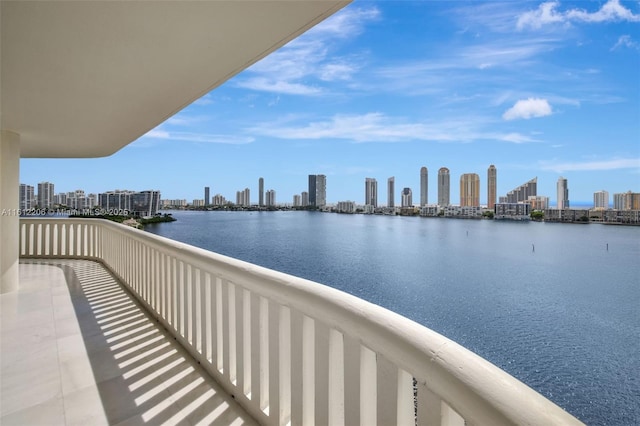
377, 127
205, 100
197, 137
347, 23
547, 13
295, 68
615, 164
529, 108
611, 11
282, 87
626, 41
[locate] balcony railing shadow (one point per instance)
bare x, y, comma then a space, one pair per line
142, 375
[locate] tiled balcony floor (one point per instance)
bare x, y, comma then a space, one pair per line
77, 349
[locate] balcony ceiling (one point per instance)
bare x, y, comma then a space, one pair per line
84, 79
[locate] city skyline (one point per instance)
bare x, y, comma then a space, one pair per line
46, 197
537, 89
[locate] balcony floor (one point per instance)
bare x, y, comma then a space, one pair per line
76, 348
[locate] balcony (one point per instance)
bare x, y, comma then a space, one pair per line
184, 334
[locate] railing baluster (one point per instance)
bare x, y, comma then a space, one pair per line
284, 365
429, 406
336, 378
387, 376
220, 338
321, 366
308, 371
406, 401
273, 323
297, 378
246, 342
351, 380
450, 417
368, 387
264, 354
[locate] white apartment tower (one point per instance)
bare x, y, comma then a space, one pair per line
45, 195
563, 193
443, 186
321, 190
371, 192
601, 200
27, 197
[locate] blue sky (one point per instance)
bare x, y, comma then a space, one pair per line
544, 89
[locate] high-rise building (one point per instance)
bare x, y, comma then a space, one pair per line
626, 201
321, 190
297, 200
443, 187
312, 189
523, 192
492, 186
261, 192
117, 200
207, 200
247, 197
391, 189
27, 197
45, 195
424, 186
145, 203
371, 192
563, 193
271, 198
470, 190
601, 200
219, 200
304, 199
407, 199
538, 202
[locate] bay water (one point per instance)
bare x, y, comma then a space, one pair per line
555, 305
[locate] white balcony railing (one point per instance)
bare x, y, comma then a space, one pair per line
291, 350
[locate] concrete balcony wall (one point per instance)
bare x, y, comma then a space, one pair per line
292, 351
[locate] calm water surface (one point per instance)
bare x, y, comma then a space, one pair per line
563, 318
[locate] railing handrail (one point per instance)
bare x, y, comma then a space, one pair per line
476, 389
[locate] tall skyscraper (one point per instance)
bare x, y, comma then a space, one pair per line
626, 201
407, 198
304, 199
563, 193
470, 190
271, 198
371, 192
391, 189
321, 190
601, 200
443, 187
45, 195
523, 192
27, 197
492, 185
312, 190
207, 200
424, 186
261, 192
